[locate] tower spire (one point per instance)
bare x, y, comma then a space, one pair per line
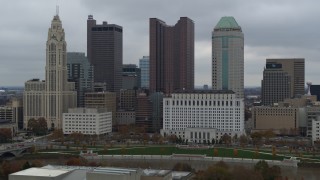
57, 8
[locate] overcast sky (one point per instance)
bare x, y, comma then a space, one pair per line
272, 29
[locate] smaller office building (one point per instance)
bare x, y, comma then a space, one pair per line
88, 121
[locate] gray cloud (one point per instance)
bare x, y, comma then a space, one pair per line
272, 29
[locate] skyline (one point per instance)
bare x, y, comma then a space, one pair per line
272, 30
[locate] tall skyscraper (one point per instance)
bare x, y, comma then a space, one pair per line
171, 55
104, 48
228, 56
145, 74
52, 97
59, 93
282, 78
81, 72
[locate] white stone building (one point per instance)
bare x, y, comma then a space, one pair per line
220, 111
88, 121
315, 130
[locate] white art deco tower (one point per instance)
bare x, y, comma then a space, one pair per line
59, 93
228, 56
52, 97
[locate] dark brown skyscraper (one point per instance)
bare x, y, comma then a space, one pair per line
104, 49
171, 55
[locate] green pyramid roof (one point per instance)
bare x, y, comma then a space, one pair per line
227, 22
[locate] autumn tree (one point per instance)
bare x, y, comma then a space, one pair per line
268, 134
5, 135
8, 167
267, 172
76, 162
57, 134
242, 173
243, 140
76, 137
182, 167
156, 137
215, 152
218, 171
256, 138
38, 126
226, 139
235, 152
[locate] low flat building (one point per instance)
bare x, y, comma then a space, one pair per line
76, 173
275, 118
87, 121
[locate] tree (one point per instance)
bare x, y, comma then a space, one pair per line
235, 152
76, 137
217, 171
267, 172
243, 140
5, 135
213, 141
242, 173
57, 134
26, 165
256, 138
172, 138
226, 139
38, 127
76, 162
235, 138
215, 152
268, 134
262, 167
182, 167
9, 167
274, 153
156, 138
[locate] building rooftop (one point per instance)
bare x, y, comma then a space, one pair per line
227, 22
42, 172
203, 91
156, 172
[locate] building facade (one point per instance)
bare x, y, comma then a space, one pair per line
144, 112
282, 120
131, 76
81, 73
145, 73
276, 85
171, 55
102, 100
104, 48
219, 110
295, 68
52, 97
228, 56
128, 99
316, 130
315, 90
87, 121
125, 117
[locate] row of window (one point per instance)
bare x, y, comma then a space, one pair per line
201, 103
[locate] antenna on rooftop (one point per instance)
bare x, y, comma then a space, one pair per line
57, 8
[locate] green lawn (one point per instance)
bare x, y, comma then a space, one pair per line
222, 152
